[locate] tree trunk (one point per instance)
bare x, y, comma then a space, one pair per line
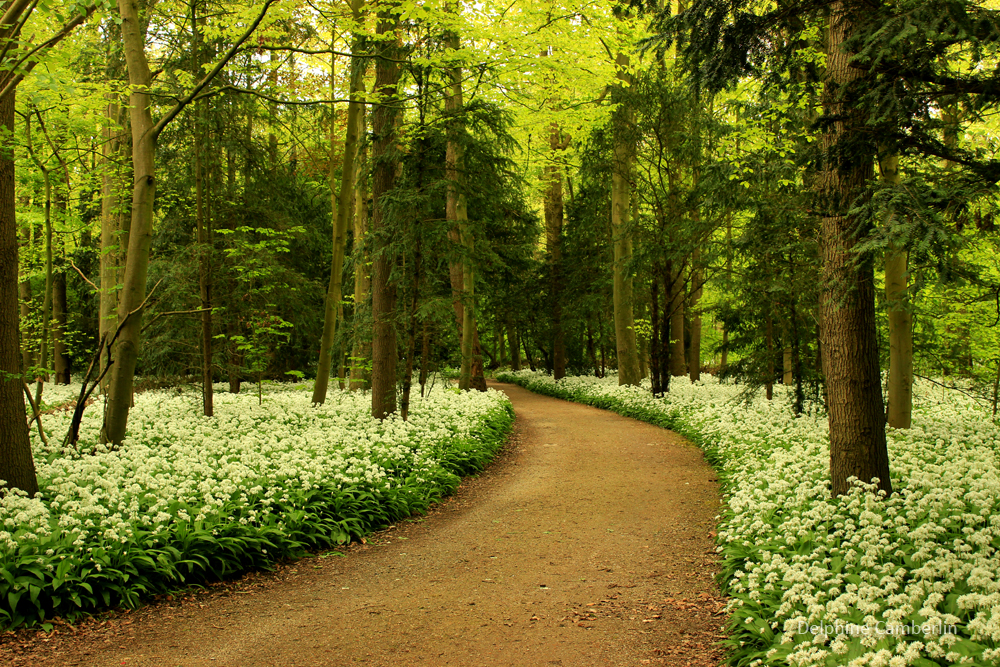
17, 467
361, 351
678, 363
133, 294
384, 354
27, 348
203, 227
344, 203
769, 363
515, 348
850, 350
900, 389
654, 339
553, 209
456, 212
621, 233
425, 357
60, 358
694, 351
666, 276
115, 221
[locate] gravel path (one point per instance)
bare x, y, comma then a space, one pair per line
588, 542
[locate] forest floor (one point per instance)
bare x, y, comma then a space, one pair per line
587, 542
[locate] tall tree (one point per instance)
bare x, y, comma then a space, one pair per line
144, 139
19, 57
621, 232
343, 207
384, 354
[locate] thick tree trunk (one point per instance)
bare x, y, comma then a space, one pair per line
60, 357
384, 354
344, 203
17, 467
133, 294
787, 376
849, 343
900, 389
621, 234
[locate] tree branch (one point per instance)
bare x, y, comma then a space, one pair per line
170, 115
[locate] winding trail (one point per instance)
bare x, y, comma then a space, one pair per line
588, 542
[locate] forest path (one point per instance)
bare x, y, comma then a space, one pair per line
588, 542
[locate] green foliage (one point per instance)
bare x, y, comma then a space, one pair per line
50, 576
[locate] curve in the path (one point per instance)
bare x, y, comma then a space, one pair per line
587, 544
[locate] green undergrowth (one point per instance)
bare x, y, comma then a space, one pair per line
47, 572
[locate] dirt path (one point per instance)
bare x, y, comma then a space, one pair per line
587, 543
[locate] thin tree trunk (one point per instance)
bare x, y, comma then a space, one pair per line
787, 376
553, 210
850, 349
411, 337
621, 233
694, 351
769, 364
456, 212
666, 276
515, 348
361, 351
654, 339
591, 348
17, 467
425, 357
344, 203
204, 231
900, 389
60, 358
384, 356
27, 349
114, 218
678, 364
133, 294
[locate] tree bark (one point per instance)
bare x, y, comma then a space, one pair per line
678, 363
360, 377
384, 354
849, 343
694, 351
115, 220
769, 363
60, 358
515, 347
27, 349
203, 227
17, 467
553, 211
900, 389
344, 202
621, 233
133, 294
